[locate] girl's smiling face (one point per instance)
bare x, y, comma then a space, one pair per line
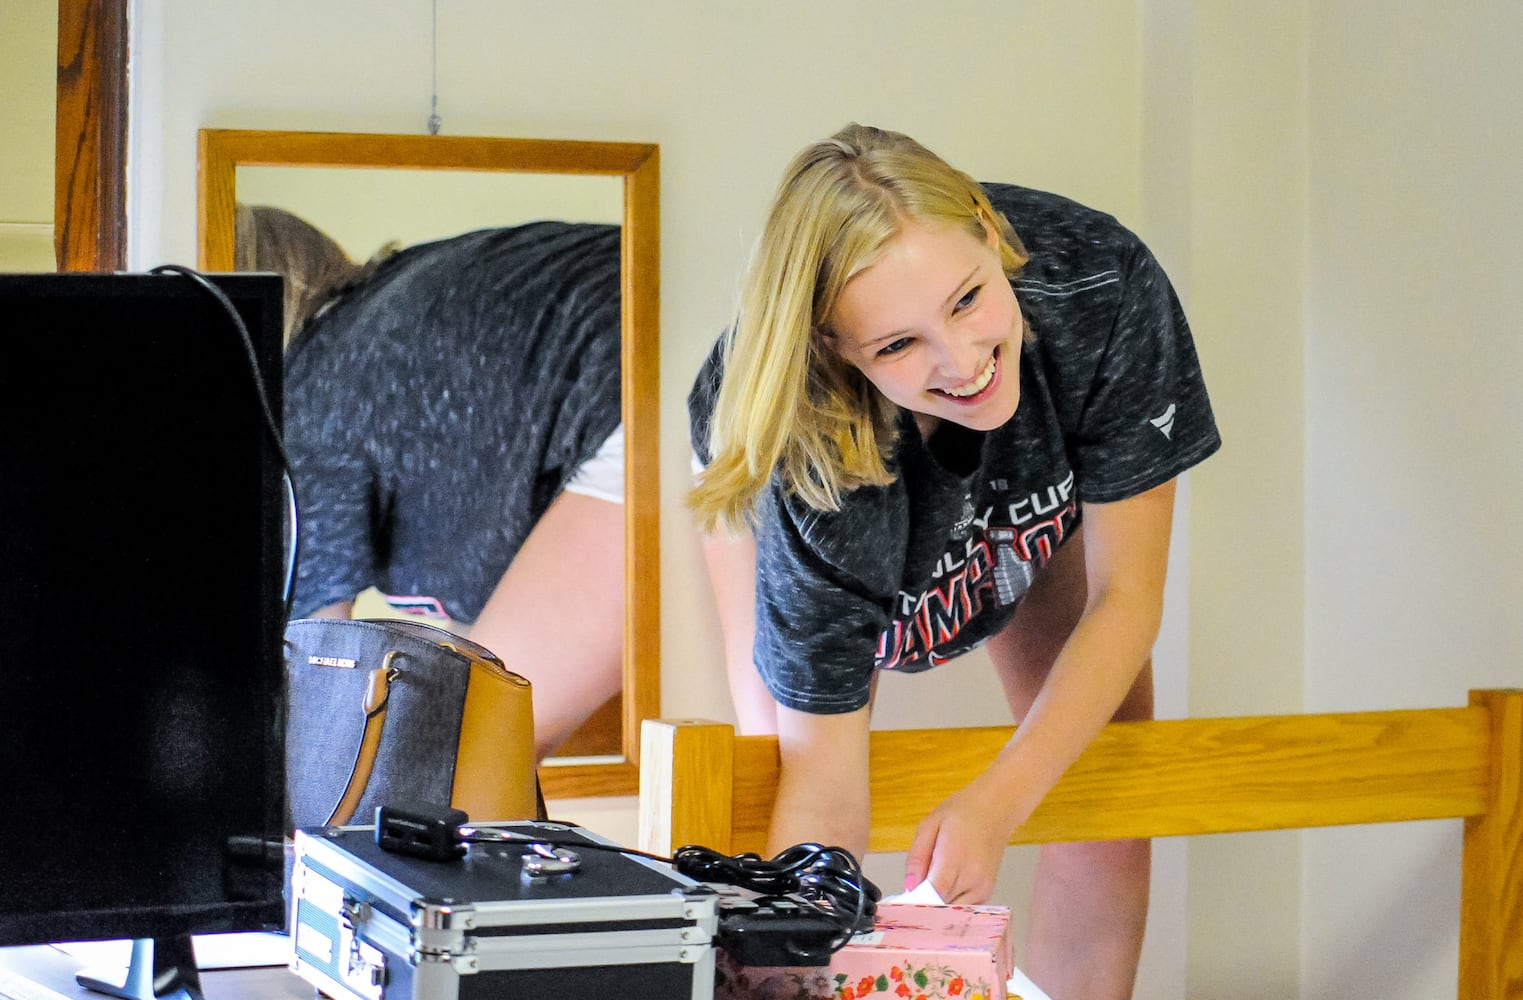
934, 325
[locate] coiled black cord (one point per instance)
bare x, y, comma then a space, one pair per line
829, 877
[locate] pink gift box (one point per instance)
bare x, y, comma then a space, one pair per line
930, 952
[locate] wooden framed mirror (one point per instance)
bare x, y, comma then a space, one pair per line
602, 757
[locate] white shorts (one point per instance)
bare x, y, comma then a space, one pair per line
602, 475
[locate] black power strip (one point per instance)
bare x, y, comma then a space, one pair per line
785, 930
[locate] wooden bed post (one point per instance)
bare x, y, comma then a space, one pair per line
1491, 893
693, 805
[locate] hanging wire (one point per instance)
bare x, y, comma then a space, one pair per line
434, 121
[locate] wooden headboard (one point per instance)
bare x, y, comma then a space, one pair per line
702, 784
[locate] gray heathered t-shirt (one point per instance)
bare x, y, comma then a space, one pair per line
909, 575
434, 413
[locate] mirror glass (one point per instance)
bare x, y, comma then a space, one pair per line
424, 205
368, 192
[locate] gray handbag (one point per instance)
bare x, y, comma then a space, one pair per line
381, 711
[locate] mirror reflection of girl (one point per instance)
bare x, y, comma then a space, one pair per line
452, 414
926, 434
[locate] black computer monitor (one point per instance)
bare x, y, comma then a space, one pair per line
142, 574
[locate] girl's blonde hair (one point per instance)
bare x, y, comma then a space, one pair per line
788, 402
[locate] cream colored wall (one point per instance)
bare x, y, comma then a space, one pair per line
1354, 192
28, 57
1240, 142
1414, 454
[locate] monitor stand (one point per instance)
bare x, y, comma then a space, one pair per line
161, 969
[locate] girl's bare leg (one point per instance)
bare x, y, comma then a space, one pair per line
557, 615
1089, 900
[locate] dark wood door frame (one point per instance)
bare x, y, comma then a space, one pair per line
90, 155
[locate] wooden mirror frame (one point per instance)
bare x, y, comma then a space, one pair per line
222, 151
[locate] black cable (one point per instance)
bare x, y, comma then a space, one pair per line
271, 425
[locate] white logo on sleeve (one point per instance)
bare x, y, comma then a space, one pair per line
1165, 422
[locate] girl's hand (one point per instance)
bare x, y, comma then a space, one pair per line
960, 845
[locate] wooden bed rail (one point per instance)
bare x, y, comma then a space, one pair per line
701, 784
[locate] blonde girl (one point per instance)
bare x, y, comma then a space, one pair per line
926, 433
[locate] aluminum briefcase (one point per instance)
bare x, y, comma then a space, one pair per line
369, 924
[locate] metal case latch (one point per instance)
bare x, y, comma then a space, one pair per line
363, 967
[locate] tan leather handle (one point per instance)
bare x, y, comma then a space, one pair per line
377, 694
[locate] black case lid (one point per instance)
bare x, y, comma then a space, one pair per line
493, 872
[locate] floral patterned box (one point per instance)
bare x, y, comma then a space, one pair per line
916, 953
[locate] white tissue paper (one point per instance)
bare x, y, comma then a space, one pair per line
924, 894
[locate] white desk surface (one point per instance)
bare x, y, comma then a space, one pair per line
45, 972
